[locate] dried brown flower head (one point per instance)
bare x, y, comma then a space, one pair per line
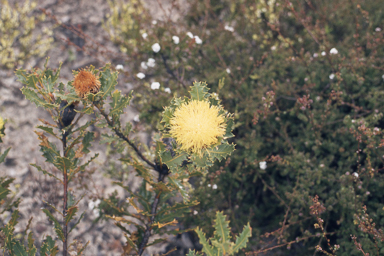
86, 82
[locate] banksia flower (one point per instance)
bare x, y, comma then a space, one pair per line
197, 125
86, 82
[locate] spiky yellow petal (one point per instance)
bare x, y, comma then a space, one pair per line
86, 82
197, 125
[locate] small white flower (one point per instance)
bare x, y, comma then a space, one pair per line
228, 28
154, 22
195, 212
377, 29
136, 118
151, 62
331, 76
382, 77
273, 48
263, 165
156, 47
315, 55
144, 35
190, 34
198, 40
214, 186
120, 67
155, 85
140, 75
367, 193
209, 185
323, 53
144, 65
322, 165
333, 51
355, 174
228, 70
176, 39
168, 90
96, 212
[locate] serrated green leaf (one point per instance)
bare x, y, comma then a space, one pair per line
221, 151
172, 161
18, 249
3, 192
49, 247
45, 172
179, 186
242, 240
58, 229
62, 163
228, 129
199, 91
88, 138
31, 247
208, 249
80, 251
31, 95
10, 227
70, 97
81, 168
71, 213
221, 228
108, 81
27, 79
78, 221
53, 207
191, 253
47, 129
119, 103
4, 155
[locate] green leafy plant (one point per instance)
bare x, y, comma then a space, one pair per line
220, 244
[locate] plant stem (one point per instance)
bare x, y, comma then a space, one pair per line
65, 182
148, 228
121, 135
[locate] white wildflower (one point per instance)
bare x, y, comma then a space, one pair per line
190, 34
209, 185
144, 35
228, 70
176, 39
198, 40
144, 65
333, 51
263, 165
228, 28
323, 53
136, 118
168, 90
377, 29
273, 48
355, 174
151, 62
155, 85
331, 76
214, 186
315, 55
140, 75
121, 67
154, 22
195, 212
156, 47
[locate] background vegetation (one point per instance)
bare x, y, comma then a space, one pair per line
304, 80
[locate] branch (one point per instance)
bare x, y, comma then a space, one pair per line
148, 229
123, 137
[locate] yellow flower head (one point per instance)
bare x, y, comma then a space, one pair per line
86, 82
197, 125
